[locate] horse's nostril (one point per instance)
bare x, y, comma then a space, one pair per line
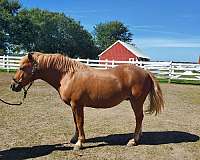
12, 86
16, 87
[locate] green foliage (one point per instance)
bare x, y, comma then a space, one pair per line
44, 31
57, 33
8, 9
11, 6
107, 33
22, 32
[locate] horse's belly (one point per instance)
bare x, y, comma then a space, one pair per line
106, 102
106, 93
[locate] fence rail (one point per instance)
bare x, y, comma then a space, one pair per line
166, 70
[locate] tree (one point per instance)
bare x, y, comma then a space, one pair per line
106, 34
11, 6
44, 31
8, 9
23, 31
51, 32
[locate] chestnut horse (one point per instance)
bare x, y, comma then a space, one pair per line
82, 86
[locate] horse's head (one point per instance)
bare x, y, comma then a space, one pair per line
25, 74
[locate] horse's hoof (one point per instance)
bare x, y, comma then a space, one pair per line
73, 140
77, 148
65, 144
131, 143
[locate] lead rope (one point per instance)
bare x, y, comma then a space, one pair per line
26, 91
8, 103
24, 97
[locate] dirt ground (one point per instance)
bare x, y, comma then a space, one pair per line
42, 127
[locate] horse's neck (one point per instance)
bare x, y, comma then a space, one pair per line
53, 74
52, 77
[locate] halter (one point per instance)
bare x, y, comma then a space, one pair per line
24, 88
25, 93
34, 69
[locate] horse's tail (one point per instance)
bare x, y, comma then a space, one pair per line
155, 97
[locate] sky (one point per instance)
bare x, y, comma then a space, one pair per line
165, 30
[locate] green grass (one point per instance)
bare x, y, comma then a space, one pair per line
5, 70
186, 82
178, 81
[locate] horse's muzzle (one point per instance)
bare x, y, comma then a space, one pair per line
16, 87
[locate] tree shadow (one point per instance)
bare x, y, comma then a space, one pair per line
20, 153
148, 138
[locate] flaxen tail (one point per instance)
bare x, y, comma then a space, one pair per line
155, 97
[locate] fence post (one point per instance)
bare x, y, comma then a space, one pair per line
106, 64
170, 72
113, 62
136, 62
7, 63
140, 63
4, 64
88, 61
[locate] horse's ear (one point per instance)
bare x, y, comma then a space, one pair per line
30, 56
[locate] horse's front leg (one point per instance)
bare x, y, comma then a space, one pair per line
79, 117
74, 139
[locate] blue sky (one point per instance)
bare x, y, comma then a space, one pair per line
163, 29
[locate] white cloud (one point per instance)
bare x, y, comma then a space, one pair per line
189, 17
141, 27
168, 43
157, 29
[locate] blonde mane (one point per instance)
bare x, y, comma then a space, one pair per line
58, 62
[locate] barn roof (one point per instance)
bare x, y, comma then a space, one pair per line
132, 48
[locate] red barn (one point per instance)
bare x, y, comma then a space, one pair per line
121, 51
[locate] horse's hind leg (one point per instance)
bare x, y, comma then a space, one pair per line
137, 106
79, 117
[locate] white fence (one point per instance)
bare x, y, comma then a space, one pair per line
166, 70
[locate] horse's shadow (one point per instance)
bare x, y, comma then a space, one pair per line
20, 153
148, 138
